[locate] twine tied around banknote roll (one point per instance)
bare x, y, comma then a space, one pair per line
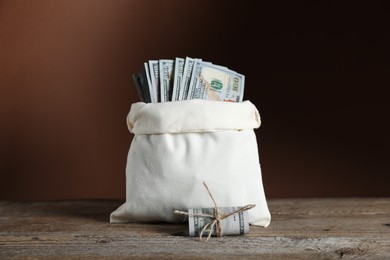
216, 218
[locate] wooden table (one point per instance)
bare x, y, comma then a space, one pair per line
300, 228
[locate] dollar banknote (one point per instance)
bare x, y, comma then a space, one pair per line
187, 72
149, 86
235, 224
165, 69
154, 78
213, 82
178, 75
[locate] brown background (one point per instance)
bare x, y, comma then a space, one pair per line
317, 73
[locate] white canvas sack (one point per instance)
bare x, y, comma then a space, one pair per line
179, 145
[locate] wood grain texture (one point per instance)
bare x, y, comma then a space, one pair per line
300, 229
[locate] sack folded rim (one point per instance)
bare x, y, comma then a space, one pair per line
192, 116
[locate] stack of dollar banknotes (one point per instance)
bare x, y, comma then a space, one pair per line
188, 78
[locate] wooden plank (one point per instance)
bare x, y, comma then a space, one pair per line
300, 228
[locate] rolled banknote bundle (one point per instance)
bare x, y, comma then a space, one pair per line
236, 224
188, 78
217, 221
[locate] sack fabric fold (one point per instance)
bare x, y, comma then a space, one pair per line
177, 146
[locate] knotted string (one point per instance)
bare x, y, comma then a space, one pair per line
216, 218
